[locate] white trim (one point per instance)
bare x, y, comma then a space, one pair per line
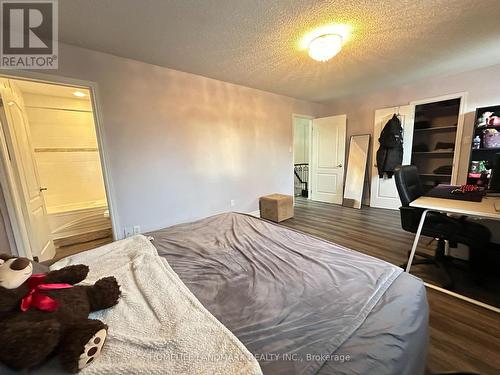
255, 213
310, 118
463, 298
460, 125
12, 200
17, 224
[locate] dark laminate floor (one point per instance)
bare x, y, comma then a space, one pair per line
463, 336
81, 243
378, 232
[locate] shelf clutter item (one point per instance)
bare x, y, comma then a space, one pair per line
491, 138
476, 143
276, 207
482, 120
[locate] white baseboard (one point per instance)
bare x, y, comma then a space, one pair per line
254, 213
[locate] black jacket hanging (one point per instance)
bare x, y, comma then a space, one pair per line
390, 152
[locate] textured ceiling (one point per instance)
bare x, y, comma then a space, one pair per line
256, 42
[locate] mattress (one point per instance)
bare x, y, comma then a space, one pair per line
300, 304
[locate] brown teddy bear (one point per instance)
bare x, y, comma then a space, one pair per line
46, 314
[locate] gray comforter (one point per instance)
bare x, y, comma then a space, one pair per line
300, 304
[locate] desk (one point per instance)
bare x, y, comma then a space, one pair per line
485, 208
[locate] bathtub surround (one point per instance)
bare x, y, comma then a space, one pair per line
181, 146
73, 221
66, 152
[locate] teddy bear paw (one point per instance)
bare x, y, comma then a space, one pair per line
92, 349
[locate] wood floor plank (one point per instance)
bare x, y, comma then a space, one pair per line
463, 336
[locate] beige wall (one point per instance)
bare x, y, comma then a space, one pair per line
59, 128
182, 146
481, 85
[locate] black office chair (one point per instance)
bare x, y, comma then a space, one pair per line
437, 225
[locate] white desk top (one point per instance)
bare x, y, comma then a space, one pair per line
485, 208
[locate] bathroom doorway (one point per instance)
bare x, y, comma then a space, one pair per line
51, 170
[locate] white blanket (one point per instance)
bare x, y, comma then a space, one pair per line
158, 327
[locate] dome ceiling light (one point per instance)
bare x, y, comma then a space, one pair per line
324, 47
324, 42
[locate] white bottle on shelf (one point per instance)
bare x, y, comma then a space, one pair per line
476, 143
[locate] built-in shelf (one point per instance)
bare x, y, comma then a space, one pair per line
437, 128
435, 175
486, 155
486, 149
433, 153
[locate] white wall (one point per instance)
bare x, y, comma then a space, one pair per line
481, 85
66, 152
181, 146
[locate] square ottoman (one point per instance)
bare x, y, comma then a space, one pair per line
276, 207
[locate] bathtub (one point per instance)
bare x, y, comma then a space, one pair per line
78, 218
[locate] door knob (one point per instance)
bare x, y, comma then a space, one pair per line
339, 166
42, 189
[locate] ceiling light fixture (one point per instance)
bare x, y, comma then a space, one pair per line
79, 94
324, 47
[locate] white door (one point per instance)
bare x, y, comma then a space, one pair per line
383, 190
27, 182
328, 153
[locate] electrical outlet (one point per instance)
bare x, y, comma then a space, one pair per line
233, 202
137, 229
128, 232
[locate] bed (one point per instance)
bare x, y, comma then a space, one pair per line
301, 304
295, 303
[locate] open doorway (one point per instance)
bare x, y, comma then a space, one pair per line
319, 153
51, 173
301, 155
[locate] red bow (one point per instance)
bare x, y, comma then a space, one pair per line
35, 297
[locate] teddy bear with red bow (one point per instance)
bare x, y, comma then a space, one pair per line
43, 315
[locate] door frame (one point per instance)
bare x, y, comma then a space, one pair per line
310, 119
7, 181
460, 126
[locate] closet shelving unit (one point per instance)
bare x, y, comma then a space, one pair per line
482, 153
435, 123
